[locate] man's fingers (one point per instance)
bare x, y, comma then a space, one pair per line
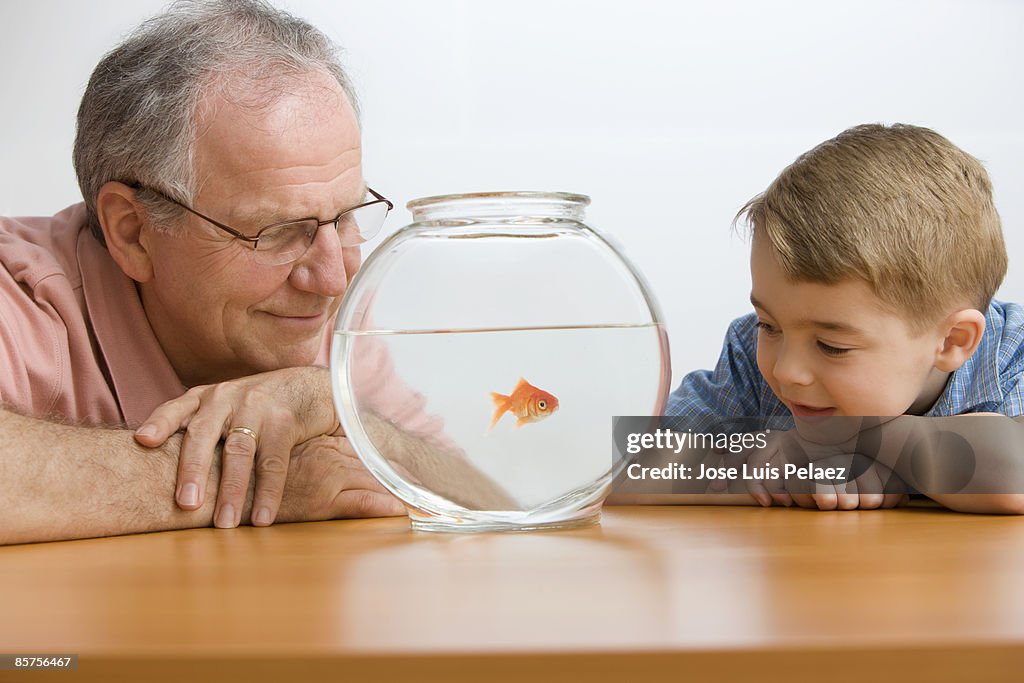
364, 503
358, 477
196, 456
236, 465
271, 472
363, 496
168, 418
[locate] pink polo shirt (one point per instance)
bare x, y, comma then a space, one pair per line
75, 342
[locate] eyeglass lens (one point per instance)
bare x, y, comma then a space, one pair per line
289, 242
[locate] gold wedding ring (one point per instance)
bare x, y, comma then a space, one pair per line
245, 430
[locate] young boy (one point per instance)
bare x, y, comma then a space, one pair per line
874, 260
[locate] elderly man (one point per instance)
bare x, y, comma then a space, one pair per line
218, 152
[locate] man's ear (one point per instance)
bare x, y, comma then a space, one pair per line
963, 332
122, 218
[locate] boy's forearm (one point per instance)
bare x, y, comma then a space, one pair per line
982, 454
61, 482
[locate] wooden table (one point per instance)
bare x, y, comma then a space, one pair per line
672, 593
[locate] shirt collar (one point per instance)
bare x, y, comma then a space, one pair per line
139, 370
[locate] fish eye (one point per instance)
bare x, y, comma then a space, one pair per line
542, 404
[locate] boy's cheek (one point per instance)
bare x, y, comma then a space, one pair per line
764, 365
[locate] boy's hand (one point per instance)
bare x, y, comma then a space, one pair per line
868, 484
765, 490
770, 489
871, 490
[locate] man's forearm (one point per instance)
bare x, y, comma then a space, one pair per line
61, 482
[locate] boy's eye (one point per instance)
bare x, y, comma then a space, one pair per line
766, 328
832, 350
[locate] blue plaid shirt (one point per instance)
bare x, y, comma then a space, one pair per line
992, 380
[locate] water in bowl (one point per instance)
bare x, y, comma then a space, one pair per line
423, 407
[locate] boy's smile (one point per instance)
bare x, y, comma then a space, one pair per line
837, 349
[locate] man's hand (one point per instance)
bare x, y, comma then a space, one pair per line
326, 480
277, 410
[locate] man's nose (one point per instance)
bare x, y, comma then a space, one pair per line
321, 270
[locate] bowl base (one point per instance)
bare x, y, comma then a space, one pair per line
451, 527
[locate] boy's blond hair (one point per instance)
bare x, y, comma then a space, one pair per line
899, 206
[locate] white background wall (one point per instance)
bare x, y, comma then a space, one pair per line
669, 115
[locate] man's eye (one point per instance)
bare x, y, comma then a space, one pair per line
284, 236
348, 225
273, 237
766, 328
832, 350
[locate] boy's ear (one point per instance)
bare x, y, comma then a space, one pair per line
122, 218
963, 334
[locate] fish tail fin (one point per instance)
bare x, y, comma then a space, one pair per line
501, 403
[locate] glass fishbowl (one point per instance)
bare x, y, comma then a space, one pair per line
480, 354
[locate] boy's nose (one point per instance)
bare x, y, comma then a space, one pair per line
790, 369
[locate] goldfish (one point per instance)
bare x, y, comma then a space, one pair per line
526, 402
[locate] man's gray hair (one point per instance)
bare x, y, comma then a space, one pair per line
137, 120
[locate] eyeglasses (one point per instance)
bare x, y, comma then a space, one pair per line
283, 243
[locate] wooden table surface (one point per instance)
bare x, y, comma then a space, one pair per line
673, 593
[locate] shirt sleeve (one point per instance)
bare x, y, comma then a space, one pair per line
30, 367
706, 398
1013, 399
1012, 384
379, 389
1011, 362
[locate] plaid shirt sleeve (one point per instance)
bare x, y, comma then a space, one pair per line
732, 390
1011, 361
992, 380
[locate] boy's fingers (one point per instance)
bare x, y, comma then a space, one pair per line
847, 500
826, 497
805, 500
891, 500
759, 493
870, 486
777, 487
